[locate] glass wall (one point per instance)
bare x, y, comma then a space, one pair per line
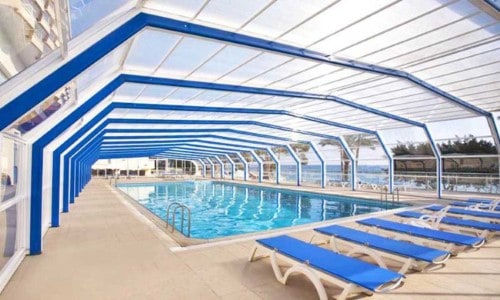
288, 165
372, 165
269, 166
414, 160
470, 157
238, 166
338, 170
12, 199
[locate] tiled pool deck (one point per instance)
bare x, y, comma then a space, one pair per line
105, 250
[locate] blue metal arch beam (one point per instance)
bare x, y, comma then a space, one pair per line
238, 110
194, 143
197, 130
72, 68
157, 139
104, 145
262, 91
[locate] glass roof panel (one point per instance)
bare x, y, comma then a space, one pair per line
272, 22
287, 69
155, 92
105, 66
184, 8
128, 91
85, 13
439, 43
225, 61
333, 19
258, 65
386, 19
189, 54
226, 13
149, 48
428, 22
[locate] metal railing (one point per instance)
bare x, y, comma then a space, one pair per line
173, 207
384, 194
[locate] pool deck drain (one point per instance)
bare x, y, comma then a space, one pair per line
103, 250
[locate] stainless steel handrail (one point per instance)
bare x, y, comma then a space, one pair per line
183, 207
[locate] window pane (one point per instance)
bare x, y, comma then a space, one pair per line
8, 232
28, 32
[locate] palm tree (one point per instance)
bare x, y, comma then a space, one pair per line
355, 141
301, 150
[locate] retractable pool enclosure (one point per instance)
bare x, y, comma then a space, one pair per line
295, 92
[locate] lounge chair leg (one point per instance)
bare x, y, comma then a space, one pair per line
406, 266
366, 251
345, 292
298, 268
252, 256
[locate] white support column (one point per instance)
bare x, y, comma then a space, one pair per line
299, 164
212, 167
352, 158
391, 161
323, 163
245, 166
439, 166
233, 166
221, 166
261, 164
278, 164
204, 168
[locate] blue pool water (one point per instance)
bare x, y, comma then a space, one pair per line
222, 209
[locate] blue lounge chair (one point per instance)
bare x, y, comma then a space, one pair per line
481, 229
317, 263
480, 200
492, 206
379, 247
466, 213
447, 241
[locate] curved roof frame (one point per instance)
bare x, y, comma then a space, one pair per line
73, 70
262, 44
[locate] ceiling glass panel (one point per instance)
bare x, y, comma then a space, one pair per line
226, 13
189, 54
149, 49
85, 13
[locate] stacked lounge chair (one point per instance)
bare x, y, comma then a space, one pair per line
379, 248
447, 241
486, 216
414, 247
478, 204
439, 221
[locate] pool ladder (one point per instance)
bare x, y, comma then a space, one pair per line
384, 194
172, 207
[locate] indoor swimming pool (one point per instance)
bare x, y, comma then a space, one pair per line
221, 209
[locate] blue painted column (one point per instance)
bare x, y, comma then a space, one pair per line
221, 166
261, 165
245, 166
298, 162
233, 166
349, 153
212, 167
204, 168
391, 161
439, 166
323, 163
278, 164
